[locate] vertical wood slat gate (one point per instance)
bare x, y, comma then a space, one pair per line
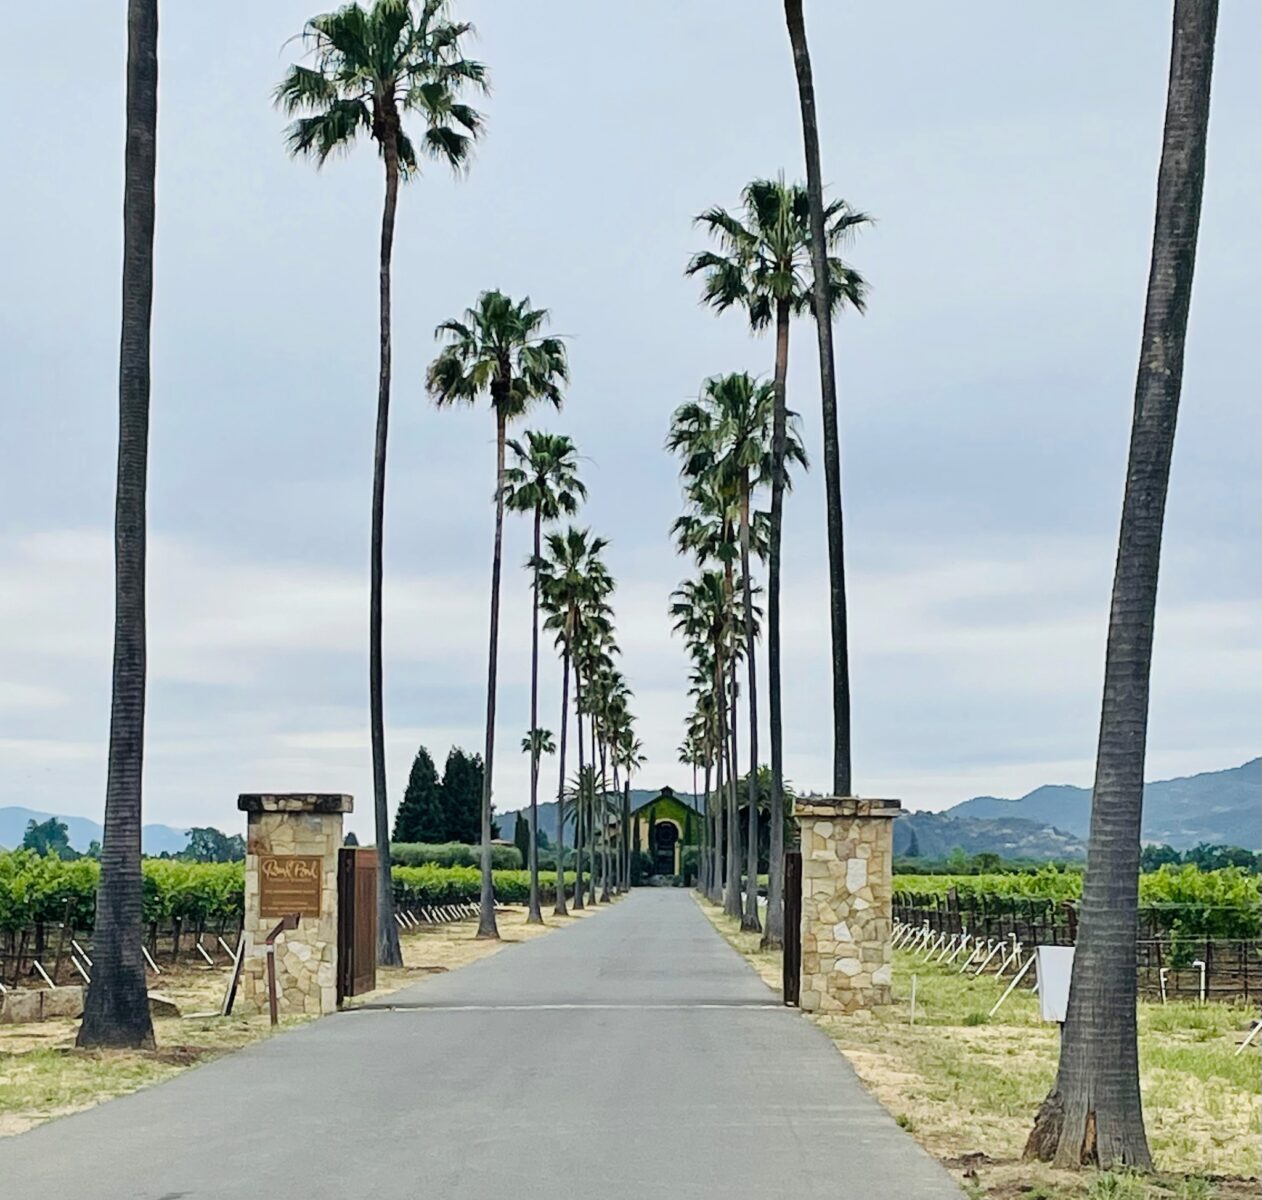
356, 921
792, 982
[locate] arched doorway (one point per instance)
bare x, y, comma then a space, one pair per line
665, 837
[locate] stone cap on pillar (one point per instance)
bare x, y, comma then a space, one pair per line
827, 807
294, 802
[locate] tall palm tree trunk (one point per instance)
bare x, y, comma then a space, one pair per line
616, 846
722, 861
116, 1011
701, 847
732, 897
388, 952
1093, 1114
535, 915
773, 932
605, 861
626, 828
486, 915
592, 833
579, 901
749, 920
558, 907
828, 396
707, 826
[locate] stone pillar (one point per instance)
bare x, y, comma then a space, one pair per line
847, 897
291, 849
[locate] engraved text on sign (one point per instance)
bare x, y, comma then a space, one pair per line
289, 883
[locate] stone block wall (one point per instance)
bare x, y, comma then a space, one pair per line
306, 957
847, 899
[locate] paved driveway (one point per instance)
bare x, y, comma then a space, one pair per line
633, 1054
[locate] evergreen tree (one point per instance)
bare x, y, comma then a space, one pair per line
462, 796
422, 815
521, 836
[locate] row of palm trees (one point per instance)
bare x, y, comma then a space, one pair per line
737, 443
394, 71
573, 586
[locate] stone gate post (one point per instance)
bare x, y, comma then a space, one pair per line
847, 896
291, 849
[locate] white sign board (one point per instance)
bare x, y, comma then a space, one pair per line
1053, 966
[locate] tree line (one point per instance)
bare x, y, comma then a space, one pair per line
449, 809
206, 844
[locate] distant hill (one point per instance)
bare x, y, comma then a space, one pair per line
154, 839
1221, 807
935, 835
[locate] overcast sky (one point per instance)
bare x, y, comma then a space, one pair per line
1009, 153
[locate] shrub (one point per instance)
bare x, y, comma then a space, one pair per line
453, 854
430, 884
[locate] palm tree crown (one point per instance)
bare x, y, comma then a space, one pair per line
498, 348
724, 439
369, 67
543, 476
765, 253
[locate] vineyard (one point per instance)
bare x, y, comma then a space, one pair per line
1189, 920
1183, 900
45, 902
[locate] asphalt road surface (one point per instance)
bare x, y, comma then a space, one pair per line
630, 1055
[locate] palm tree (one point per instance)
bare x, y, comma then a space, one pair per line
498, 350
593, 650
116, 1010
370, 68
542, 479
823, 305
704, 613
536, 743
725, 439
629, 755
608, 696
1093, 1113
571, 572
763, 267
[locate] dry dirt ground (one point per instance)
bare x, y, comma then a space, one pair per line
967, 1087
43, 1076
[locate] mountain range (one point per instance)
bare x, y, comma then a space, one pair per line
154, 839
1220, 807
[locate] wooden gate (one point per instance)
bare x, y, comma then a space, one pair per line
792, 926
356, 921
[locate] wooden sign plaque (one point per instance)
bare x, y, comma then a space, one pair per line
290, 883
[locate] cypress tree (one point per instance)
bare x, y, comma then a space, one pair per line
462, 797
521, 836
421, 817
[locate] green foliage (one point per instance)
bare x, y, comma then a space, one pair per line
422, 816
521, 837
453, 854
48, 837
369, 67
37, 887
1183, 901
462, 885
208, 844
462, 796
